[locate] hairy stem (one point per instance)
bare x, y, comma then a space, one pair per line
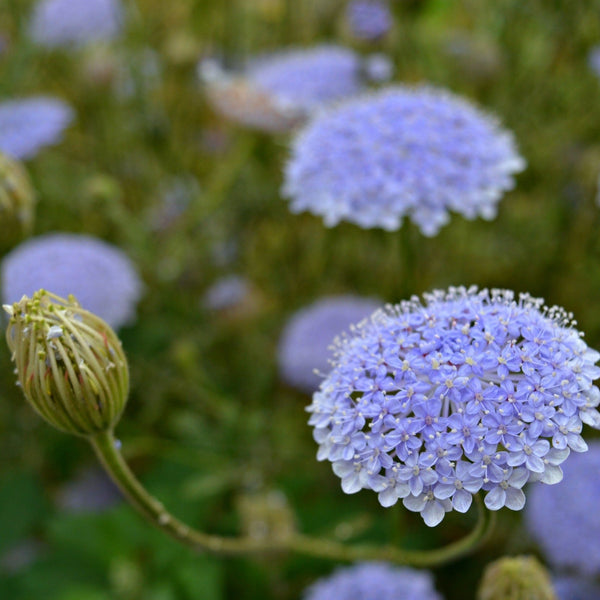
106, 448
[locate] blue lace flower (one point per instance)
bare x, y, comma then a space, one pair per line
277, 91
304, 349
28, 125
565, 521
571, 588
99, 275
432, 401
402, 152
57, 23
365, 581
368, 19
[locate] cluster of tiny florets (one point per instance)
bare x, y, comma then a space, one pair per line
565, 520
305, 346
99, 275
431, 402
277, 91
27, 125
57, 23
366, 581
403, 152
368, 19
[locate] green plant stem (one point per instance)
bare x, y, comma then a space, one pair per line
106, 448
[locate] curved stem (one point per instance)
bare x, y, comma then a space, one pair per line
106, 448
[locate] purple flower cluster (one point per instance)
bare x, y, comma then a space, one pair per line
594, 60
570, 588
365, 581
566, 521
57, 23
28, 125
368, 19
305, 345
100, 276
468, 391
277, 91
404, 151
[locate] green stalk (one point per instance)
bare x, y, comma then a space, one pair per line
106, 448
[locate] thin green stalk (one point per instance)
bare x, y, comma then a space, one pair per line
106, 448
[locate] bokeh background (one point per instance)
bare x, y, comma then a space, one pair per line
191, 198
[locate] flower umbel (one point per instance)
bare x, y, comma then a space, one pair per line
431, 402
69, 363
416, 152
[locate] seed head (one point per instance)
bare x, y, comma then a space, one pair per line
69, 363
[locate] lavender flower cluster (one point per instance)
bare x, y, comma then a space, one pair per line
431, 402
99, 275
366, 581
56, 23
368, 19
305, 347
565, 520
27, 125
418, 152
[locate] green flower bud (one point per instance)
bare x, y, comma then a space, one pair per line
17, 200
69, 362
516, 578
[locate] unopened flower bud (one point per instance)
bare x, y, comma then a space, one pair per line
516, 578
17, 200
69, 362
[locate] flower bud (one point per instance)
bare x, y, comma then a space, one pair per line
17, 199
69, 362
516, 578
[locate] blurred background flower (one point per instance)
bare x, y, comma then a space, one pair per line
404, 151
56, 23
100, 276
27, 125
304, 352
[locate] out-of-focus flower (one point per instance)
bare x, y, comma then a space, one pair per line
565, 521
571, 588
56, 23
470, 390
516, 578
17, 200
27, 125
368, 19
278, 91
226, 293
304, 349
594, 60
90, 491
99, 275
417, 152
378, 68
366, 581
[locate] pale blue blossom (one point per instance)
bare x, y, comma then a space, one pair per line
434, 401
100, 276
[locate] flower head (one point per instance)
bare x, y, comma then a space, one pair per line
417, 152
368, 19
365, 581
594, 60
304, 349
28, 125
431, 402
57, 23
565, 521
69, 363
99, 275
278, 91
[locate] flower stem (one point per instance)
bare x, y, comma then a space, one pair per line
106, 448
